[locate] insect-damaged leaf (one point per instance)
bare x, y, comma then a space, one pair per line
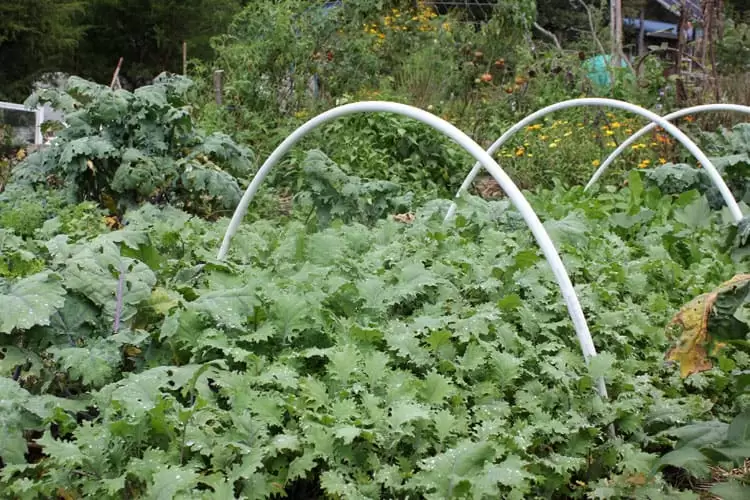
707, 320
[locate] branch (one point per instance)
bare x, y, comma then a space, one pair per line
550, 35
591, 26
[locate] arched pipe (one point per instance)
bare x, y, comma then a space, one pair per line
651, 126
612, 103
483, 159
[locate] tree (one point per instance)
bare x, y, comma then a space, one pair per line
36, 36
148, 34
86, 37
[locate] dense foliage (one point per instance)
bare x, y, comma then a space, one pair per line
350, 360
120, 148
86, 37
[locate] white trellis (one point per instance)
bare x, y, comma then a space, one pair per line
38, 118
483, 159
651, 126
626, 106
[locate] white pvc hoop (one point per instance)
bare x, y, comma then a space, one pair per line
482, 157
613, 103
671, 116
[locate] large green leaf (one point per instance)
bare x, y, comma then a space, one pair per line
30, 301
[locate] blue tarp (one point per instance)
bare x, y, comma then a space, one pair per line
598, 68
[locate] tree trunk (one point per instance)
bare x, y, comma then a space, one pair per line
615, 26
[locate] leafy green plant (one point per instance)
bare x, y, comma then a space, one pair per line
395, 360
335, 195
122, 147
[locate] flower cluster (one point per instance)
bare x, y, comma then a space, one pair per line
419, 19
571, 140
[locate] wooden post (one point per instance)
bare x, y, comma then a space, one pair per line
642, 34
218, 89
184, 58
116, 75
615, 26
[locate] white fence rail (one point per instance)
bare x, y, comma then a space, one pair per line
38, 118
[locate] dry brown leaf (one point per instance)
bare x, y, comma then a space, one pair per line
406, 218
692, 320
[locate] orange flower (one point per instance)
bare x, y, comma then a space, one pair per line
664, 139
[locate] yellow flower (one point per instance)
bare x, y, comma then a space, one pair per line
567, 134
616, 125
596, 163
628, 130
611, 144
536, 126
609, 132
662, 161
543, 137
553, 145
520, 151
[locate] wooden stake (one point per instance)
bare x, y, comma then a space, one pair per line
184, 58
218, 89
116, 75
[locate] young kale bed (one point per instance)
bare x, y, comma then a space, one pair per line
395, 361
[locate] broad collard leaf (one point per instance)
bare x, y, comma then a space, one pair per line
696, 214
30, 301
98, 272
690, 459
731, 490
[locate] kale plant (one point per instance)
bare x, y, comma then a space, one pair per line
121, 148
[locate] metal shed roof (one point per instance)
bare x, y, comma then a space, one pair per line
657, 29
674, 6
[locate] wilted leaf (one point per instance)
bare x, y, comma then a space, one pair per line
693, 321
